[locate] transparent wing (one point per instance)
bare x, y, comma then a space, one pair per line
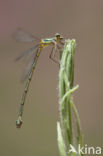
29, 64
25, 53
24, 36
28, 57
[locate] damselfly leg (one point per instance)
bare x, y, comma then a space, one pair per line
52, 55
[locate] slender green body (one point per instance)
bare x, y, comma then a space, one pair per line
19, 120
43, 43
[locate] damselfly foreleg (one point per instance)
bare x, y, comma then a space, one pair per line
52, 55
55, 49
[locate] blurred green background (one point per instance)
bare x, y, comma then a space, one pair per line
82, 20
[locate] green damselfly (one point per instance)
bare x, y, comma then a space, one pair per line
55, 42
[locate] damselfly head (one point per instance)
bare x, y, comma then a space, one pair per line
58, 36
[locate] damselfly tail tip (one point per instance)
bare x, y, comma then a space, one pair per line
19, 122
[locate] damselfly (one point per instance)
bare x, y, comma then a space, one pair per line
55, 42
